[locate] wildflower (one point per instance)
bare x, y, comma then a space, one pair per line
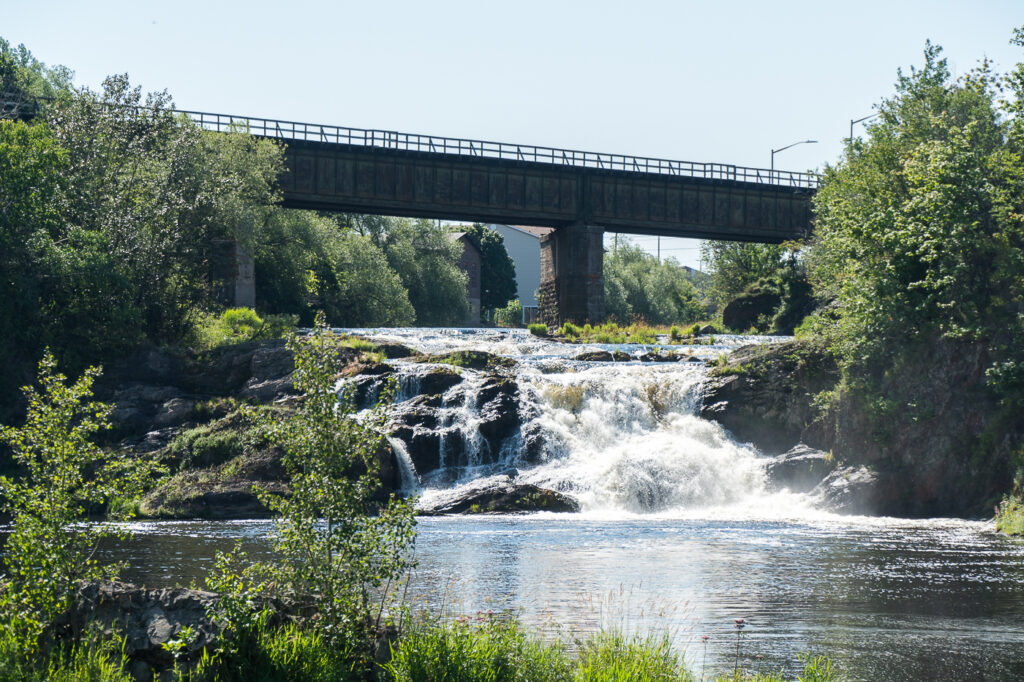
740, 623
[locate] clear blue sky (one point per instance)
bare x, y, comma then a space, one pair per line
699, 81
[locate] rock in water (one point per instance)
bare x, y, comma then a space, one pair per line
799, 470
850, 490
499, 495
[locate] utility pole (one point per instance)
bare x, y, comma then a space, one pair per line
659, 248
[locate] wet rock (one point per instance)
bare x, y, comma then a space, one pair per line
498, 404
764, 396
705, 330
471, 359
394, 351
851, 490
423, 446
595, 356
500, 495
438, 381
174, 412
798, 470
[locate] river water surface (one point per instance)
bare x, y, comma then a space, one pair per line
678, 533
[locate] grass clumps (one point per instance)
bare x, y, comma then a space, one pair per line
538, 329
237, 325
638, 332
611, 656
482, 648
1010, 515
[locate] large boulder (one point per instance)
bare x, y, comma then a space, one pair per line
851, 490
146, 619
498, 405
799, 470
498, 495
437, 381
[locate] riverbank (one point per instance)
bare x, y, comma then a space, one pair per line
134, 634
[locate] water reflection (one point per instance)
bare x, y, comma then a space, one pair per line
887, 599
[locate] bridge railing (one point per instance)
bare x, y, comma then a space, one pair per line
388, 139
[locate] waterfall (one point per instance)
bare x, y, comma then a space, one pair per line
617, 437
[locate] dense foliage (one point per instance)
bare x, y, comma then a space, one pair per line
919, 230
426, 260
120, 218
639, 287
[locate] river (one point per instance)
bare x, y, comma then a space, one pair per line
678, 533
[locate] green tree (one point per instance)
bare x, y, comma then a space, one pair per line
639, 287
426, 260
919, 235
335, 540
65, 475
497, 271
734, 266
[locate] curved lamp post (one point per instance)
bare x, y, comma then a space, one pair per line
859, 120
780, 149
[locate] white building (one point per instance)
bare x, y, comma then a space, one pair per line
522, 242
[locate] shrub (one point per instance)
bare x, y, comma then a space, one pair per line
65, 474
334, 538
538, 329
511, 315
237, 325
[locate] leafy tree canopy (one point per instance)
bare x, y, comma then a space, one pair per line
497, 271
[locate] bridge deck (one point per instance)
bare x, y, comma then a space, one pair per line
388, 172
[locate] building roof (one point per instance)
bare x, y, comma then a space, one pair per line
464, 238
531, 230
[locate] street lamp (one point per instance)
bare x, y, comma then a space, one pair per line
859, 120
781, 149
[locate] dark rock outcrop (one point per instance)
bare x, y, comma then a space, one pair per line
946, 451
852, 490
470, 359
500, 495
438, 380
146, 619
764, 395
799, 470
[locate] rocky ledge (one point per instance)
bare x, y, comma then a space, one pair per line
499, 494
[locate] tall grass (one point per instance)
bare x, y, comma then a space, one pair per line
474, 651
611, 656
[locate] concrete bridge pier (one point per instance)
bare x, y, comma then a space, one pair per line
572, 275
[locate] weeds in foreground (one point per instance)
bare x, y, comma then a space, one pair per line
1010, 516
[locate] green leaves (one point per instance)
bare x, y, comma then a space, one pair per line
918, 233
65, 475
337, 539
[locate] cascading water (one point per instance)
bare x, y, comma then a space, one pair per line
618, 437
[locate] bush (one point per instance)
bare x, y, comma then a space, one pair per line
236, 325
511, 315
538, 329
65, 474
